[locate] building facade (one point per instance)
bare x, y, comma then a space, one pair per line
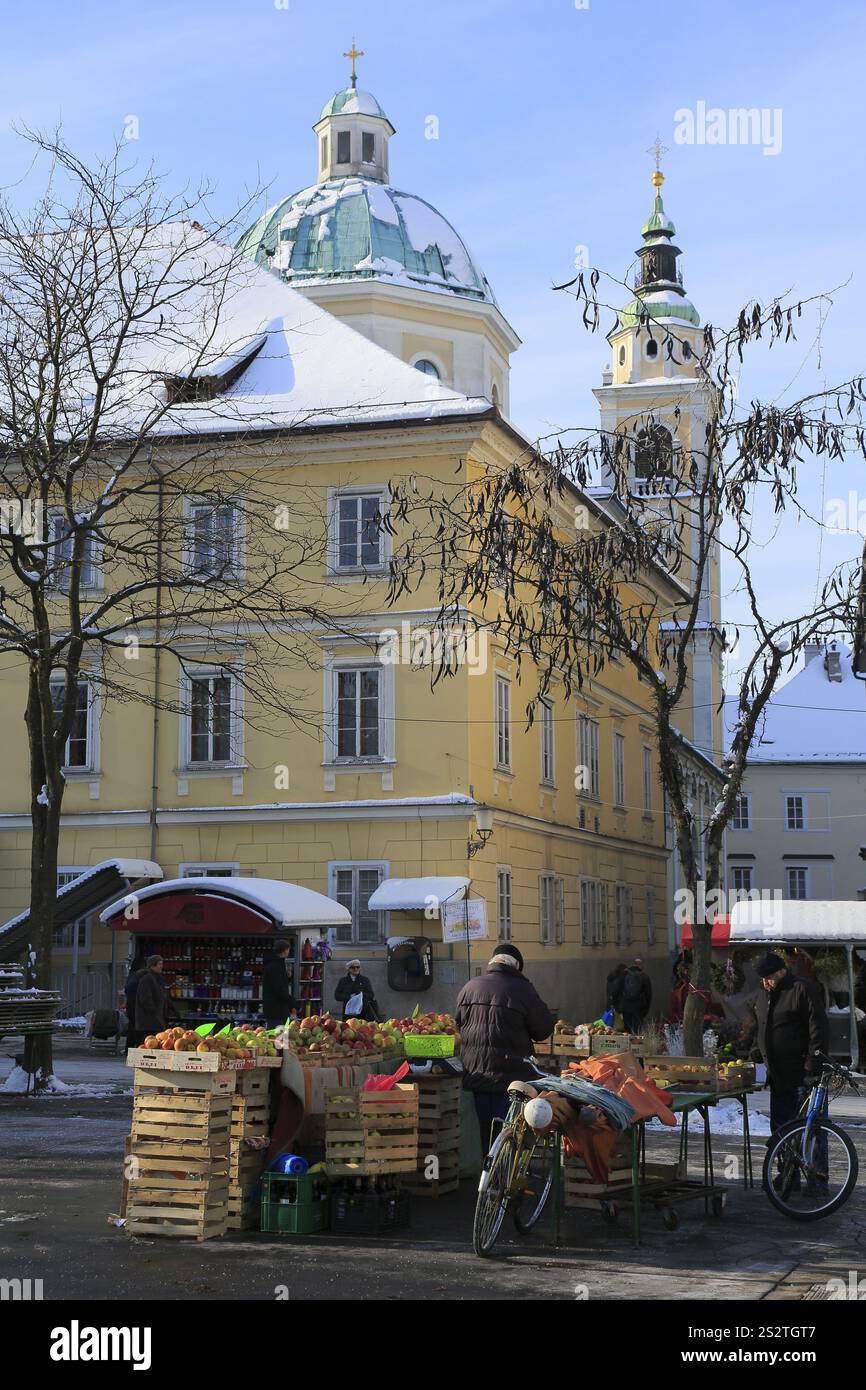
394, 363
799, 831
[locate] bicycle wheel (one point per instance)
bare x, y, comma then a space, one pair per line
493, 1193
811, 1182
534, 1184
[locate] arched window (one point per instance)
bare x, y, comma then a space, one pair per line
653, 458
427, 367
622, 356
494, 395
652, 347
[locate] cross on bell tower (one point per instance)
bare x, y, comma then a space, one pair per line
354, 53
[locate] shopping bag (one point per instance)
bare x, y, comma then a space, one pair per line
354, 1005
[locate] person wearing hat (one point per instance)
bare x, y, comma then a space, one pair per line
353, 982
499, 1017
792, 1032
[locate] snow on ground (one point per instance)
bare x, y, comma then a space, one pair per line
725, 1118
79, 1021
16, 1084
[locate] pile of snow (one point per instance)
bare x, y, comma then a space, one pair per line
725, 1118
79, 1021
16, 1084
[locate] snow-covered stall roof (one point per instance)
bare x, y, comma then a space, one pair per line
409, 894
287, 904
789, 922
80, 896
814, 717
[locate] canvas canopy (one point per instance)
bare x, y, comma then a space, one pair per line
413, 894
284, 905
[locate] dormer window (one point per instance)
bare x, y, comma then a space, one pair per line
344, 147
368, 147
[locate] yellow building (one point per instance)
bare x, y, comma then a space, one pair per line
392, 778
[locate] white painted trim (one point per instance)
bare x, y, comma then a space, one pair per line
334, 570
204, 671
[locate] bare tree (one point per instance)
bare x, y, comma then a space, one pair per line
567, 601
129, 525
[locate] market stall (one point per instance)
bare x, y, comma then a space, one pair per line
215, 935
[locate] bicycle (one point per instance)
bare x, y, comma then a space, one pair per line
811, 1165
517, 1174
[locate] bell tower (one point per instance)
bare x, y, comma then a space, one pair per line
653, 390
353, 133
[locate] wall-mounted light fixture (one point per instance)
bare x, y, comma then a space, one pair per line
484, 822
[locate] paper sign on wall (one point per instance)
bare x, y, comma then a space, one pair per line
456, 916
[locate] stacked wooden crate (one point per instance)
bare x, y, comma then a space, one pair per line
438, 1136
370, 1132
177, 1165
582, 1188
250, 1129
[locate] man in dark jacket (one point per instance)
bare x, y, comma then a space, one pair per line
151, 1000
353, 982
792, 1030
277, 998
636, 996
499, 1016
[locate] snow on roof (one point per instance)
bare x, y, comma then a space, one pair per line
811, 719
217, 307
289, 904
792, 920
130, 869
409, 894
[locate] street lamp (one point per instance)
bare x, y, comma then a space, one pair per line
484, 822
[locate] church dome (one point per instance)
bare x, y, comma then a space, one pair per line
351, 102
357, 228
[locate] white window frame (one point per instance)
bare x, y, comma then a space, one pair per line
334, 668
502, 724
224, 868
593, 911
236, 721
647, 767
742, 803
804, 812
92, 579
236, 569
504, 902
587, 754
547, 729
619, 770
551, 909
797, 869
336, 866
650, 900
91, 763
335, 496
623, 914
66, 873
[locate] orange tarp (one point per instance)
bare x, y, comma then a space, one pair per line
621, 1073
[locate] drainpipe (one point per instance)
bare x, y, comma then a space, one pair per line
154, 760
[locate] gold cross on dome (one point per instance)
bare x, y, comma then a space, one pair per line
354, 53
658, 149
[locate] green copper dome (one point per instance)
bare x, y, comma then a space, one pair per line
356, 228
351, 102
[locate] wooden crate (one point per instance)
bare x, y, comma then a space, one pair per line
371, 1131
742, 1075
250, 1117
610, 1042
190, 1118
201, 1216
160, 1060
217, 1083
253, 1083
687, 1073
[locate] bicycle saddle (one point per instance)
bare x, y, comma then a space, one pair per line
522, 1088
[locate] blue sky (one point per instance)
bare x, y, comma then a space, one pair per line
545, 114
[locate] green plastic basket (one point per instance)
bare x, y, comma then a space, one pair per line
429, 1044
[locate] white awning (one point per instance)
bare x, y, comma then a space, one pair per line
415, 894
793, 922
287, 904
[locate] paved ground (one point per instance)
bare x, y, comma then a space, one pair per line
60, 1162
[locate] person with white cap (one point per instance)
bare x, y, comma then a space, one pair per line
352, 984
499, 1017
